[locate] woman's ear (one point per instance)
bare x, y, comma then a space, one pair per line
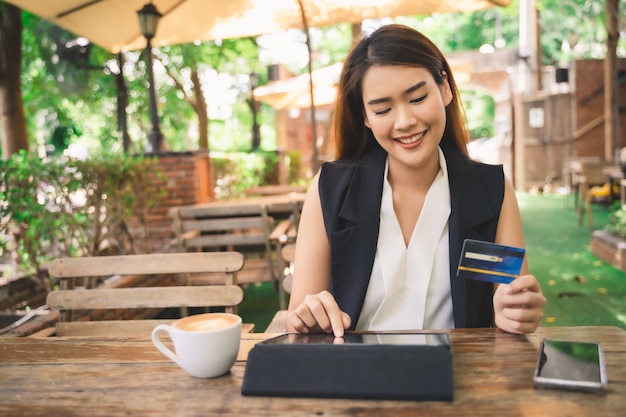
446, 91
365, 121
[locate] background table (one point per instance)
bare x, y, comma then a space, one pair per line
110, 377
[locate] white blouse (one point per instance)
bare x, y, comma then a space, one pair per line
410, 286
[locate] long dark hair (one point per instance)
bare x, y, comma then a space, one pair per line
391, 45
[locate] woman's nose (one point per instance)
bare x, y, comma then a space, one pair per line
404, 118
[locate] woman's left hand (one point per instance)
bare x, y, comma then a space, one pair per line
518, 306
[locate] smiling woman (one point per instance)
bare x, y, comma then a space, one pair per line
382, 227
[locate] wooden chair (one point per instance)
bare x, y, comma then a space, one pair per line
138, 299
242, 228
288, 255
277, 325
591, 175
283, 235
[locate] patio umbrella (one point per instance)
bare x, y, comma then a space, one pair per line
113, 24
294, 92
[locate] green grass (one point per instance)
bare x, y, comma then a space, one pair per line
260, 303
581, 290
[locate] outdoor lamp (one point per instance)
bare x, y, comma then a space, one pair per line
254, 106
148, 20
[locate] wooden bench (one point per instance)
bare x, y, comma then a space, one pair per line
244, 228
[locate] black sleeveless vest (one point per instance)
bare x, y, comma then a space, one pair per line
350, 194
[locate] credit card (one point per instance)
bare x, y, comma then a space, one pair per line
486, 261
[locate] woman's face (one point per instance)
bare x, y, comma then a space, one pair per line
406, 110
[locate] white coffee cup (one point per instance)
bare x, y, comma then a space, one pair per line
206, 345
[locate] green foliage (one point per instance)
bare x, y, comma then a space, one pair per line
68, 91
68, 207
293, 162
237, 171
481, 105
617, 220
70, 98
572, 21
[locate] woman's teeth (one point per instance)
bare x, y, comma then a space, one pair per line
412, 139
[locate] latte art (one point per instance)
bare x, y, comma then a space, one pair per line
205, 322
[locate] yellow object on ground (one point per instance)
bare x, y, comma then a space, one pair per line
602, 191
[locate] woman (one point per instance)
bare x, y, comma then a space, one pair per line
382, 227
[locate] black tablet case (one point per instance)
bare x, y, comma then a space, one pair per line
396, 372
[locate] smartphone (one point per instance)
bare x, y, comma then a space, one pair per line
570, 365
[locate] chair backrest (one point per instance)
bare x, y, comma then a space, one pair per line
139, 299
215, 228
593, 172
242, 227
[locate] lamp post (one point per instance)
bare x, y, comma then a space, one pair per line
254, 106
148, 20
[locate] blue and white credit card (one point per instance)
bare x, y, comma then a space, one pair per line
486, 261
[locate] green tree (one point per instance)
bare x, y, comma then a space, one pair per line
12, 118
573, 29
186, 64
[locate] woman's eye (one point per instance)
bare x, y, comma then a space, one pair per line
381, 112
419, 99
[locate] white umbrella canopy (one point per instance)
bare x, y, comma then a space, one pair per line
294, 92
114, 25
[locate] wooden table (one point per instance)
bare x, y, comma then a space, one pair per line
279, 205
114, 377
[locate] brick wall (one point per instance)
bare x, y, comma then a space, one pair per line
185, 180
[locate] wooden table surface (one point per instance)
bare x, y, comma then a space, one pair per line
278, 204
85, 376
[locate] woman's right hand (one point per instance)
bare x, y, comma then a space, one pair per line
318, 312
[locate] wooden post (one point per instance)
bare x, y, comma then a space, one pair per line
611, 138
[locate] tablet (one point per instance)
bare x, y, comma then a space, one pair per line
398, 366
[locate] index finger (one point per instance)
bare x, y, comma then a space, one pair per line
333, 312
524, 283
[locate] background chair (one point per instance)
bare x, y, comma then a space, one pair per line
142, 303
592, 180
243, 228
277, 325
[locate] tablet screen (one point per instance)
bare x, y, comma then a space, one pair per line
410, 339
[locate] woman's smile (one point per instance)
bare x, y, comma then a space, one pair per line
411, 140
